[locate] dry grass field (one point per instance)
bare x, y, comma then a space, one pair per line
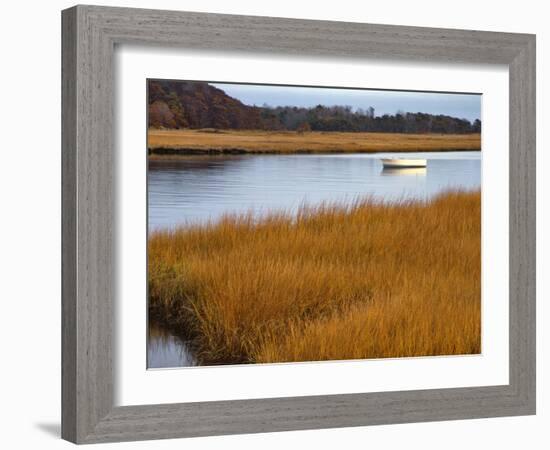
254, 141
367, 280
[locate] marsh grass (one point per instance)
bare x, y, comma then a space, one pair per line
363, 280
160, 141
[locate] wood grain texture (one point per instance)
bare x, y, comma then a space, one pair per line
523, 224
68, 226
89, 198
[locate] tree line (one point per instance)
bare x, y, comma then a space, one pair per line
182, 104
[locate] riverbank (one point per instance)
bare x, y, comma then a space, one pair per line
193, 142
366, 281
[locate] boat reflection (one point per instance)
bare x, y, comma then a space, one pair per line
416, 171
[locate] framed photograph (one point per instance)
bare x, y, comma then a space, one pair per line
278, 224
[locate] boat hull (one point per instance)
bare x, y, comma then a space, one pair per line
403, 163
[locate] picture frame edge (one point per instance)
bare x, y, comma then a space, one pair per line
89, 34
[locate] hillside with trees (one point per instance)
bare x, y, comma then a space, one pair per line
196, 105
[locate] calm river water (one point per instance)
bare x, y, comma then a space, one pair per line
196, 189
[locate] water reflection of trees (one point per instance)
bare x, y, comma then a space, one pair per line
195, 163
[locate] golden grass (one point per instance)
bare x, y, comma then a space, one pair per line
366, 280
255, 141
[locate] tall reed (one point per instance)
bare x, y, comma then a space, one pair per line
363, 280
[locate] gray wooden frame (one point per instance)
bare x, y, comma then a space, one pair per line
89, 36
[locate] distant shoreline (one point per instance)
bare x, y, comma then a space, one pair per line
240, 151
187, 142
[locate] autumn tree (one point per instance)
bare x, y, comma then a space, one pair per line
184, 104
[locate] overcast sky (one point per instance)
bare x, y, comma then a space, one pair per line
467, 106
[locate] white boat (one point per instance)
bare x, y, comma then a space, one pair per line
397, 163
